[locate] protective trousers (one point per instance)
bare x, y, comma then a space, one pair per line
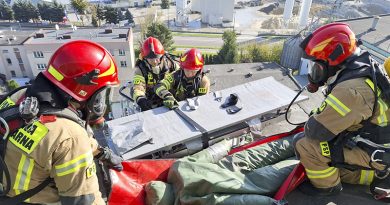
315, 157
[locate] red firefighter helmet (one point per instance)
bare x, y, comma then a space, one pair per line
192, 60
80, 68
332, 43
152, 48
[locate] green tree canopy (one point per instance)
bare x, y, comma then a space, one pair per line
24, 11
162, 33
165, 4
51, 12
79, 5
129, 17
6, 12
111, 15
229, 51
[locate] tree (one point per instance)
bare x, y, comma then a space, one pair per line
25, 11
165, 4
111, 15
80, 6
129, 17
44, 10
229, 51
99, 13
57, 12
121, 17
6, 12
162, 33
94, 20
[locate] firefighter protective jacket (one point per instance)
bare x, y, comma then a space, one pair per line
144, 79
345, 108
60, 149
181, 88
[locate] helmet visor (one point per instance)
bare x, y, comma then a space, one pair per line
317, 71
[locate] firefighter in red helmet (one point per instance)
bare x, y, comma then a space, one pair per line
344, 138
185, 83
49, 149
152, 66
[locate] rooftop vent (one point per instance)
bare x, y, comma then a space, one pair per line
374, 23
122, 35
39, 35
108, 31
66, 37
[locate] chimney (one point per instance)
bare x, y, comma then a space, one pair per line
374, 22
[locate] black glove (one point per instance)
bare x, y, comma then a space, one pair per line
110, 159
144, 103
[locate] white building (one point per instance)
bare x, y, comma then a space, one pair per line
214, 12
40, 47
13, 58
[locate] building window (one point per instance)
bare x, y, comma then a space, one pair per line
122, 52
13, 74
5, 51
9, 61
16, 49
38, 54
112, 52
123, 64
41, 66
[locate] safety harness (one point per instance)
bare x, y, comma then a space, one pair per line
152, 78
371, 137
13, 117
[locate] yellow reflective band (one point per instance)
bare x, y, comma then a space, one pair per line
74, 164
183, 58
325, 151
382, 118
203, 90
110, 71
138, 80
22, 180
366, 177
169, 78
312, 174
159, 89
337, 105
166, 84
7, 103
57, 75
28, 137
371, 84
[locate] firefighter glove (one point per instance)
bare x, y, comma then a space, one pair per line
144, 103
110, 159
170, 102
